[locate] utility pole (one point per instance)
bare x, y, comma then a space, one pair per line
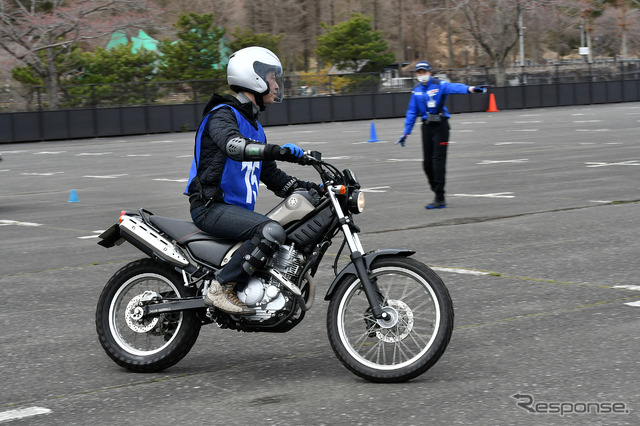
520, 24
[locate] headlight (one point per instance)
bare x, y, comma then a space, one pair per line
356, 202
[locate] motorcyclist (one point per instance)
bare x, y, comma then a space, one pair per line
231, 157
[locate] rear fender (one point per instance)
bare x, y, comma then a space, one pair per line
350, 269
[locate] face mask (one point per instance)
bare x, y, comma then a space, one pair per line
424, 78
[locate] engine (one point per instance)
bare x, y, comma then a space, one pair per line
266, 296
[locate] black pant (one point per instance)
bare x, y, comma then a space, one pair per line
435, 140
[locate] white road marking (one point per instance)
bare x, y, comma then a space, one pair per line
628, 287
42, 174
48, 152
165, 141
621, 163
15, 222
588, 121
634, 304
399, 160
136, 155
593, 130
22, 413
172, 180
520, 160
496, 195
82, 154
24, 150
460, 271
513, 143
105, 176
523, 130
375, 189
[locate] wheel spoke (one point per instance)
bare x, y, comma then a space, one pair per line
149, 335
407, 339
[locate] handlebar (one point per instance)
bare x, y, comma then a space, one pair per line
310, 158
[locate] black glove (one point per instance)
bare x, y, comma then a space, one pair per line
402, 140
480, 89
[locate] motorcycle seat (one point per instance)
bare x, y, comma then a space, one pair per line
204, 246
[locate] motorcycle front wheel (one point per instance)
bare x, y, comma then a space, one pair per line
414, 337
144, 344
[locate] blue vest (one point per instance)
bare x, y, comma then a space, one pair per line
240, 179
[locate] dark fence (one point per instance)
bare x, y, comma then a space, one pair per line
148, 119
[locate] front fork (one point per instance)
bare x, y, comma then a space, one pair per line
353, 241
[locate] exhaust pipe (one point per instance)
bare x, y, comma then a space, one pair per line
141, 235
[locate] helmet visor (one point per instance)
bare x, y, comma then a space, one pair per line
273, 77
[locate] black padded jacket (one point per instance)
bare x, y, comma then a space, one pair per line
222, 126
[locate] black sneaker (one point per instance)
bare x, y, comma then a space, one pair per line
436, 204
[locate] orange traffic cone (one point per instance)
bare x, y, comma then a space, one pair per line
492, 104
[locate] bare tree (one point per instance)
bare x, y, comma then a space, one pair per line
40, 33
493, 24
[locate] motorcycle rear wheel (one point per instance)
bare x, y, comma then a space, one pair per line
147, 344
408, 344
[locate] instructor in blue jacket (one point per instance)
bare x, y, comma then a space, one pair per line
428, 101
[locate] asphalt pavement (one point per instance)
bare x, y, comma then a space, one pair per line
538, 247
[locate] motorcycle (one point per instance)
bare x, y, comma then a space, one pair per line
389, 319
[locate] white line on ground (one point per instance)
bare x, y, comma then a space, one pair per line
460, 271
22, 413
513, 143
42, 174
621, 163
82, 154
634, 304
628, 287
106, 176
375, 189
496, 195
520, 160
13, 222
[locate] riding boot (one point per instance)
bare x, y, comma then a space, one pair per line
223, 297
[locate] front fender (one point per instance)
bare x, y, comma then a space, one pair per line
350, 269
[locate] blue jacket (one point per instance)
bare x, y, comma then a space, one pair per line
422, 96
214, 176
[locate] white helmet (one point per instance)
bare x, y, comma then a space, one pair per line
248, 69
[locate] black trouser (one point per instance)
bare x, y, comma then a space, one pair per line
435, 140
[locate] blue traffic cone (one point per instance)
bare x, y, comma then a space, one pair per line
373, 137
73, 197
